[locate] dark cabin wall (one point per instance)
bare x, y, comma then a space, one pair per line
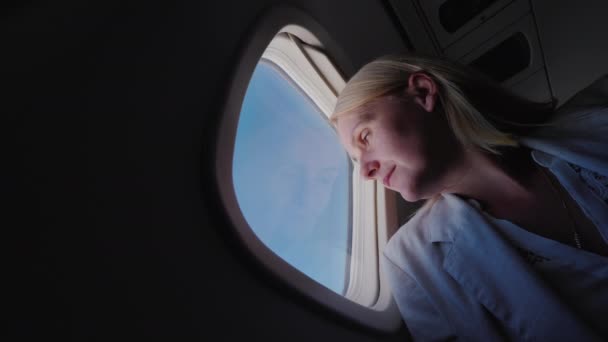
112, 107
573, 36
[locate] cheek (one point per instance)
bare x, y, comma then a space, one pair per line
408, 151
420, 169
426, 176
426, 144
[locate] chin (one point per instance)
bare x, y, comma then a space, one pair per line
409, 197
414, 196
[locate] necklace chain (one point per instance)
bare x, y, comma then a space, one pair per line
577, 239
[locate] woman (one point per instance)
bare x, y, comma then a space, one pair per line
511, 243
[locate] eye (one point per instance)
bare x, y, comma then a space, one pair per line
365, 136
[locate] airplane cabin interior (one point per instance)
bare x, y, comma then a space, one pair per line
150, 185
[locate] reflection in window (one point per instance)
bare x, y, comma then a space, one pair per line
291, 178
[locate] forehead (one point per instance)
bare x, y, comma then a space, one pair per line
350, 120
374, 110
364, 113
367, 111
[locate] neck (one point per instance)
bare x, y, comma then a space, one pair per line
496, 182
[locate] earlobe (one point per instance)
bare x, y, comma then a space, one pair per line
429, 104
426, 100
423, 89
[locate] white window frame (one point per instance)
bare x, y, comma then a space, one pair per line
298, 53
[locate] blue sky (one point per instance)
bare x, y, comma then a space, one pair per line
292, 178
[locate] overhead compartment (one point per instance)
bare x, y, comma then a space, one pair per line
497, 37
451, 20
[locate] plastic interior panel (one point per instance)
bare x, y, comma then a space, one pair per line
432, 11
527, 28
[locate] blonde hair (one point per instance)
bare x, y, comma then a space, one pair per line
479, 111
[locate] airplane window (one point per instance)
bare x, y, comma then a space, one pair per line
292, 178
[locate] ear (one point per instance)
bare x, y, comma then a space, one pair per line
423, 89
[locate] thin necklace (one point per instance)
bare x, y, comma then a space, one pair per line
577, 240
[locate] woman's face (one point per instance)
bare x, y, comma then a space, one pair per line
405, 144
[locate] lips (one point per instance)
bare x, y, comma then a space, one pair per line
387, 178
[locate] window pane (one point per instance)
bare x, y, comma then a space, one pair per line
291, 178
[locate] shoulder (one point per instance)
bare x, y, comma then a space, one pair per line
414, 262
426, 238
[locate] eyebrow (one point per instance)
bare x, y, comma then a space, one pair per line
365, 117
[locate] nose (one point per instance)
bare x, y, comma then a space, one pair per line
369, 170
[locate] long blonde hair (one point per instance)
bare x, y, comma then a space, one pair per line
479, 111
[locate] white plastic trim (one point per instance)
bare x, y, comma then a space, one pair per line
363, 283
332, 77
387, 223
284, 52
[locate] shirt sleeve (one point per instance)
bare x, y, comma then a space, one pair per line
422, 319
